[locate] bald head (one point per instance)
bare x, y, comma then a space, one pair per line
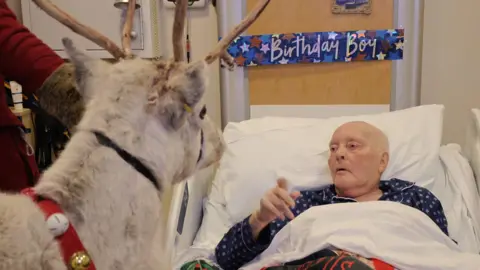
377, 139
358, 157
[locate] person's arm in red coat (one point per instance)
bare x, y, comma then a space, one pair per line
27, 60
23, 57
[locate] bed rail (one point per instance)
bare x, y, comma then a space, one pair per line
186, 210
471, 148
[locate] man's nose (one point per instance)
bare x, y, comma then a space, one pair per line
340, 153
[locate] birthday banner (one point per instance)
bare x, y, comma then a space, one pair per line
319, 47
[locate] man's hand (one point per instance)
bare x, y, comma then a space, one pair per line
276, 203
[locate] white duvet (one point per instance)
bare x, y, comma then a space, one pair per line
397, 234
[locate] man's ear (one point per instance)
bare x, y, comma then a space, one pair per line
385, 157
82, 63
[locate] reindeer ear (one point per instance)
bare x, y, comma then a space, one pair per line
82, 63
185, 90
171, 111
176, 114
196, 82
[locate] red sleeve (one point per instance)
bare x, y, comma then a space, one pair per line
23, 57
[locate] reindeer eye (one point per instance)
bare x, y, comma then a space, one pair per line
203, 112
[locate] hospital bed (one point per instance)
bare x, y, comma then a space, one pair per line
260, 150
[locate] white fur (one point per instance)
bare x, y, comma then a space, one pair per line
115, 210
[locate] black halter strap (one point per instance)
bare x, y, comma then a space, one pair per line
200, 155
129, 158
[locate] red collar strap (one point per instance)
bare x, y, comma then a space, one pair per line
74, 253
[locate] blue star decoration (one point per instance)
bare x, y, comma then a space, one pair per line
377, 45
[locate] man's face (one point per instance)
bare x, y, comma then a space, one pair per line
356, 162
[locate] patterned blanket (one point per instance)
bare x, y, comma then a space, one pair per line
333, 260
202, 264
324, 259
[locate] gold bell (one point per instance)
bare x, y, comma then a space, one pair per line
80, 261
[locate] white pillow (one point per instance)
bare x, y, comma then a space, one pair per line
261, 150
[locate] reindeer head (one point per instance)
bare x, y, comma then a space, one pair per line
160, 99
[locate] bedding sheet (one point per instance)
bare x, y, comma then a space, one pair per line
456, 189
394, 233
391, 232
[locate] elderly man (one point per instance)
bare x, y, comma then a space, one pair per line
358, 157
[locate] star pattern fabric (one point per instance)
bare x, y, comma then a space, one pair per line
238, 246
318, 47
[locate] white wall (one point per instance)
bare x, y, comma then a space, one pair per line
450, 72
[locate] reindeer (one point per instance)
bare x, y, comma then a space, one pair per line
143, 129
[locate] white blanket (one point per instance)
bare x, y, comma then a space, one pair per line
397, 234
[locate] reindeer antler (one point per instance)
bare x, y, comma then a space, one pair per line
127, 28
89, 33
220, 50
177, 37
178, 30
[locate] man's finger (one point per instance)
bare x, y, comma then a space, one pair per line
267, 204
284, 196
279, 203
281, 206
282, 183
289, 214
294, 195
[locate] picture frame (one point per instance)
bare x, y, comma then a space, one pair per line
352, 7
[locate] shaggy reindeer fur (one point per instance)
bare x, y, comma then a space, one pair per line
59, 97
139, 104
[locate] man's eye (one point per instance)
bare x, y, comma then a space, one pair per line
352, 145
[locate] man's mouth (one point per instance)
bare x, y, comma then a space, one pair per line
341, 170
